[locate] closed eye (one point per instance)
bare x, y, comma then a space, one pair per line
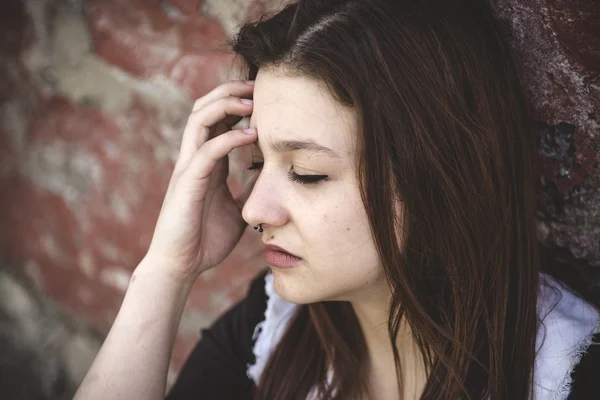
294, 177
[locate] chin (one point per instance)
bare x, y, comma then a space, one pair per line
301, 289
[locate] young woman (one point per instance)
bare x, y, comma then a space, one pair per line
395, 194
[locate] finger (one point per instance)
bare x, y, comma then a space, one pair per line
199, 123
238, 88
203, 161
234, 88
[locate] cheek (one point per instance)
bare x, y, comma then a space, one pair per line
343, 236
341, 260
345, 263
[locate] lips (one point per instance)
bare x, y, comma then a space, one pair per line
281, 258
280, 249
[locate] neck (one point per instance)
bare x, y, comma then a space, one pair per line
372, 313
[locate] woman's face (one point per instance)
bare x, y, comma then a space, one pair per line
324, 222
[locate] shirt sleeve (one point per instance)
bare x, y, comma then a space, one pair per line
586, 374
216, 367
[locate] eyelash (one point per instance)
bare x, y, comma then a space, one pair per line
303, 179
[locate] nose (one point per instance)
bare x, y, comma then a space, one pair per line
264, 205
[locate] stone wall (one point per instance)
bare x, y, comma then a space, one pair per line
94, 95
45, 351
557, 46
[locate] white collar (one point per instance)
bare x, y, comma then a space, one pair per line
561, 341
566, 332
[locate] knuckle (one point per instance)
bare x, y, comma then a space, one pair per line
208, 147
231, 100
229, 105
198, 104
225, 90
195, 120
234, 86
195, 114
215, 146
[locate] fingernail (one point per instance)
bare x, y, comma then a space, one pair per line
249, 131
246, 101
249, 82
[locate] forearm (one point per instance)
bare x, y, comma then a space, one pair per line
134, 359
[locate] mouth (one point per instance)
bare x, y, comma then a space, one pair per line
272, 247
281, 258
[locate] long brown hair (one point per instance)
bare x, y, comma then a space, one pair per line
445, 133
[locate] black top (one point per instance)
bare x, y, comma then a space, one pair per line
216, 367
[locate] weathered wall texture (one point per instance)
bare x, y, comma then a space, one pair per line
557, 46
94, 95
45, 352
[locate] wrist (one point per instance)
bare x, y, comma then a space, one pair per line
162, 271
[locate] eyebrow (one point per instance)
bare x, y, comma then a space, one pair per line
281, 146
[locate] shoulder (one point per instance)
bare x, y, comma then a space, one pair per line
237, 325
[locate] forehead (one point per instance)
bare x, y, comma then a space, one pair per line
301, 108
